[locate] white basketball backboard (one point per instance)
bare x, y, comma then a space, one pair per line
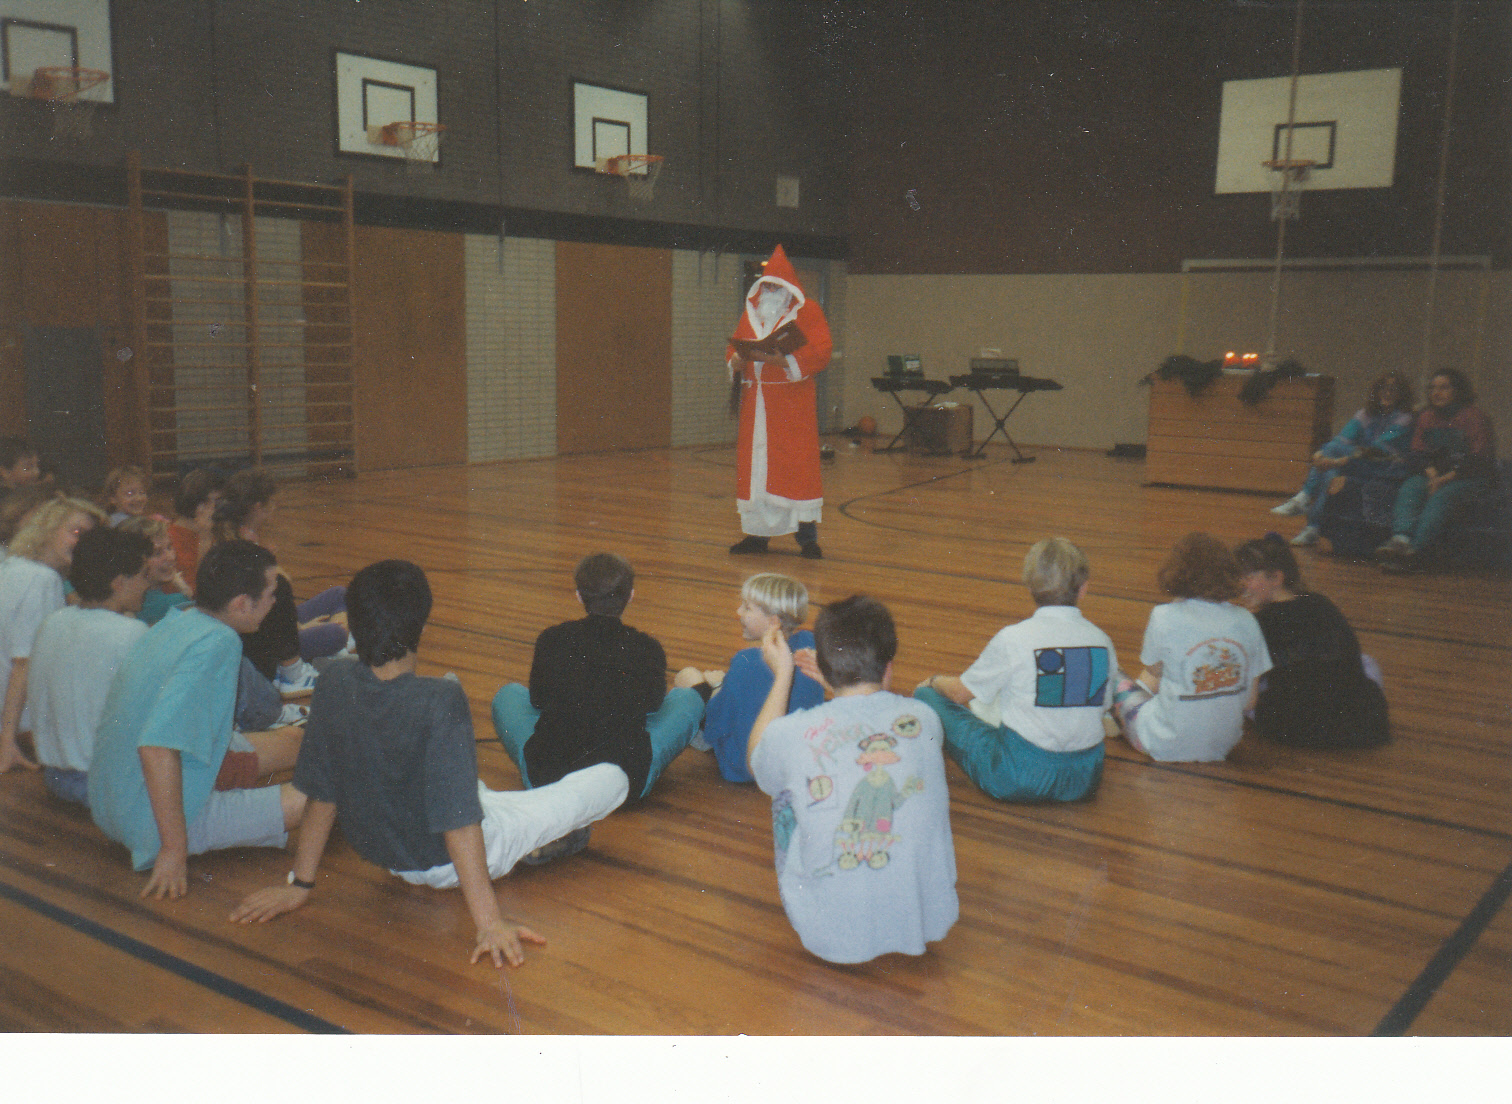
607, 122
38, 33
1345, 122
371, 93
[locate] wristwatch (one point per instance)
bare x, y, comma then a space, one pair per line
295, 880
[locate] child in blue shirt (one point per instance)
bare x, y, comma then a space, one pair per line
766, 601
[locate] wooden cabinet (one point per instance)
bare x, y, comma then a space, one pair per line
1214, 440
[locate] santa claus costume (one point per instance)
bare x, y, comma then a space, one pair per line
777, 458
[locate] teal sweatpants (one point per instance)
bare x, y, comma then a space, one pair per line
670, 727
1008, 767
1419, 516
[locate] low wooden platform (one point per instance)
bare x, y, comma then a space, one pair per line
1280, 893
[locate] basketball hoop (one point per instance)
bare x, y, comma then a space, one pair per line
639, 171
59, 86
419, 142
1286, 197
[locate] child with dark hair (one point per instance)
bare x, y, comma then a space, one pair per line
125, 493
19, 464
78, 651
1318, 693
391, 757
1203, 658
1453, 455
166, 730
194, 510
1025, 721
598, 692
860, 810
293, 633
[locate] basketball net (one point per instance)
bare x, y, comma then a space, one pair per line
59, 86
638, 170
1286, 192
419, 142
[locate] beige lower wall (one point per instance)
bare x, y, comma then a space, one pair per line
1099, 334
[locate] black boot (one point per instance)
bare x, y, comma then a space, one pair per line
808, 540
750, 546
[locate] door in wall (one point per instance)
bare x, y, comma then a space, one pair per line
614, 347
65, 402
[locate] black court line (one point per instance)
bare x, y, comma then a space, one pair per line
1442, 964
296, 1017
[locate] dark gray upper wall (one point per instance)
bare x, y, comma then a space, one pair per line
1082, 137
735, 97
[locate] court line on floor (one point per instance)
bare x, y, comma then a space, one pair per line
234, 990
1450, 954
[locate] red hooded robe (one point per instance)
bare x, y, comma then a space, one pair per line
777, 456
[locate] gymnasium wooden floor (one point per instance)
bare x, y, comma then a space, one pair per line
1280, 893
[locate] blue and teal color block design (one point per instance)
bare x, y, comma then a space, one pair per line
1070, 677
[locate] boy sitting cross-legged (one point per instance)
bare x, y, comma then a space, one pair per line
598, 692
391, 756
78, 651
765, 600
1025, 720
860, 812
166, 730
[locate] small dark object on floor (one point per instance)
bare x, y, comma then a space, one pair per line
570, 844
750, 546
826, 452
1127, 452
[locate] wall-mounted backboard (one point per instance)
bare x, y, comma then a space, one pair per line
607, 122
372, 93
39, 33
1345, 122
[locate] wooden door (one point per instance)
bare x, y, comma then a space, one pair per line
409, 343
614, 347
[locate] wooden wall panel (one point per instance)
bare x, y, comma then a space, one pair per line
410, 345
614, 347
12, 366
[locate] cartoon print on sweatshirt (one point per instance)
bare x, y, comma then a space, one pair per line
1216, 669
865, 832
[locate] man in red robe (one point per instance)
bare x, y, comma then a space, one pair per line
781, 343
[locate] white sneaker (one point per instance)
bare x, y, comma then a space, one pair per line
1397, 546
292, 714
1296, 504
698, 743
1306, 538
297, 678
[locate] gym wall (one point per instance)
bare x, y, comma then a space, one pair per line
1031, 177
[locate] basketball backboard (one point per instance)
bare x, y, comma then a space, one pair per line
371, 93
607, 122
1346, 123
36, 34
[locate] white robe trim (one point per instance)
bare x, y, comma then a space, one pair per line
765, 514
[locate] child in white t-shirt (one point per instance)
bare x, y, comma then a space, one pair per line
860, 809
1025, 721
1203, 657
78, 651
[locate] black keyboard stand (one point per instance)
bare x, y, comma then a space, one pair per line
891, 385
1023, 385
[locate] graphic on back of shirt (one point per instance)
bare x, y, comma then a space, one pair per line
1215, 669
1070, 678
865, 833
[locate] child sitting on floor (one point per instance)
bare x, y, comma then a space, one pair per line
391, 756
165, 733
125, 494
194, 512
598, 692
166, 587
78, 651
765, 600
865, 860
1203, 658
1025, 720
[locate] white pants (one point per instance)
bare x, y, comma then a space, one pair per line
516, 822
